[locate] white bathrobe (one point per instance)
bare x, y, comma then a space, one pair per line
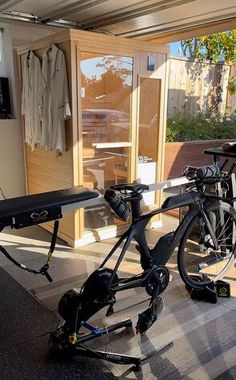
55, 106
31, 101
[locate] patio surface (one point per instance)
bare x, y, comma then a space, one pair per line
190, 339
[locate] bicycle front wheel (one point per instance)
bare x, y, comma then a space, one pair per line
200, 262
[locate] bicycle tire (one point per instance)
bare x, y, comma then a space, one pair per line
199, 264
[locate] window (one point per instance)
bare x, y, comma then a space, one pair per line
6, 74
3, 65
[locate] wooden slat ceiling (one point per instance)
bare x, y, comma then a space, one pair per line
129, 18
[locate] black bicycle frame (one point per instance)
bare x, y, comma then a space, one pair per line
136, 232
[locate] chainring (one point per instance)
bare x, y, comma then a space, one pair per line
157, 281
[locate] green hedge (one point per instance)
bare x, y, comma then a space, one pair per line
202, 126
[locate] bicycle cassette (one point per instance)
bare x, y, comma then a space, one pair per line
77, 305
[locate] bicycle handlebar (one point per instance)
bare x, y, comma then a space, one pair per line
202, 172
129, 192
209, 173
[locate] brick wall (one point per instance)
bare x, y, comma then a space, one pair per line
180, 154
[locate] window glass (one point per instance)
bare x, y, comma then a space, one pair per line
106, 88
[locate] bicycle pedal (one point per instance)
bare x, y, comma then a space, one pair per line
110, 311
149, 316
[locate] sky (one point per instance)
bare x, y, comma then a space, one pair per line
90, 69
174, 46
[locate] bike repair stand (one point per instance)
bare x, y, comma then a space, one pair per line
78, 349
211, 292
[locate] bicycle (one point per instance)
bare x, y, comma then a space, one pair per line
209, 224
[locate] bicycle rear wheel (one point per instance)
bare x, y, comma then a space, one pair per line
199, 263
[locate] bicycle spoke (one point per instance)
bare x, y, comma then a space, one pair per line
199, 256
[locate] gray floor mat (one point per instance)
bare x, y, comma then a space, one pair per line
23, 348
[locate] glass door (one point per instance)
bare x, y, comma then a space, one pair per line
106, 89
148, 130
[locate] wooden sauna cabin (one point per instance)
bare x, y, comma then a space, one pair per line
116, 132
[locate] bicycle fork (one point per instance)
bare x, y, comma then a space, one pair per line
210, 228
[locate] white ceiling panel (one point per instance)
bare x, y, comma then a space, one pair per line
132, 18
41, 7
185, 14
81, 12
113, 8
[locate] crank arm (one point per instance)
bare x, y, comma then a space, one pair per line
134, 282
129, 285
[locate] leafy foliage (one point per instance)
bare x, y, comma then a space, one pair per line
117, 64
232, 84
216, 47
202, 126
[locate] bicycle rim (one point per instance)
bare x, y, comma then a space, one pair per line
199, 261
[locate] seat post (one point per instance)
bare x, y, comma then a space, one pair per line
135, 205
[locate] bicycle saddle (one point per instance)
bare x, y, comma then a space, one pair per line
135, 187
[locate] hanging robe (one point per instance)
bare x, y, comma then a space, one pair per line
55, 107
31, 100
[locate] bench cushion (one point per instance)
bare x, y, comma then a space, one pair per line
14, 207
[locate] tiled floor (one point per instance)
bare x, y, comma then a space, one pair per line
200, 338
